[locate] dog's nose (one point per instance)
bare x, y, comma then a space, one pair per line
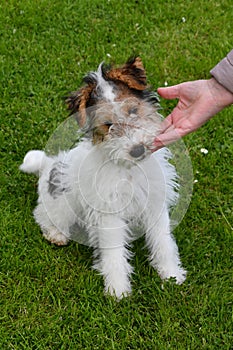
137, 151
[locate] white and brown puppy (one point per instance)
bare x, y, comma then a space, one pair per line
111, 182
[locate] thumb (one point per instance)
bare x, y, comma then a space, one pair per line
170, 92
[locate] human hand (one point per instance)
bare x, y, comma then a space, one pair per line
198, 101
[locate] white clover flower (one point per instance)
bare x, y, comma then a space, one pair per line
204, 150
183, 19
108, 55
165, 83
138, 26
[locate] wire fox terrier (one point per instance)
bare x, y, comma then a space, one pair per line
111, 182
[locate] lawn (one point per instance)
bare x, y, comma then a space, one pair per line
50, 297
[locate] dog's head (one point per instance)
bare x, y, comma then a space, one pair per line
116, 108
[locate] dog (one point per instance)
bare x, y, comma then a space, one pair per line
111, 182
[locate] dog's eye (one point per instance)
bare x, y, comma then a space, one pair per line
108, 124
133, 110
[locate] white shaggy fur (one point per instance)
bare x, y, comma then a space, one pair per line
105, 190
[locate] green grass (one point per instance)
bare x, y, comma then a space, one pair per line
50, 297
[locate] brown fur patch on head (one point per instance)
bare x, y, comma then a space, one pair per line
102, 118
127, 81
132, 74
100, 133
78, 100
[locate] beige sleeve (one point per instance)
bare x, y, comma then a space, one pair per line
223, 72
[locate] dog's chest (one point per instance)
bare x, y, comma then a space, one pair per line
113, 189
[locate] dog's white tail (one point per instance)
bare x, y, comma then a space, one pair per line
34, 162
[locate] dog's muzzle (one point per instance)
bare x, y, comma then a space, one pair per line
137, 151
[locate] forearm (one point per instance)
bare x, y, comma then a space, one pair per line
223, 72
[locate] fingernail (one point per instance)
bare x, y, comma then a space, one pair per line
156, 146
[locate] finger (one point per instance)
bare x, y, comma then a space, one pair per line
167, 138
170, 92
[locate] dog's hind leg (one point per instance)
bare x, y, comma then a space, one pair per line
52, 233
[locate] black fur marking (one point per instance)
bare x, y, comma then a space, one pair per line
90, 78
150, 96
137, 73
73, 102
105, 68
131, 59
56, 185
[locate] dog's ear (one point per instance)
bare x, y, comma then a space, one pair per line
132, 74
78, 101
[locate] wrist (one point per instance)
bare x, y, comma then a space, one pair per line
222, 96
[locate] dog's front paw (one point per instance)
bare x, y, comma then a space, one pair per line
117, 287
56, 237
118, 292
179, 274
